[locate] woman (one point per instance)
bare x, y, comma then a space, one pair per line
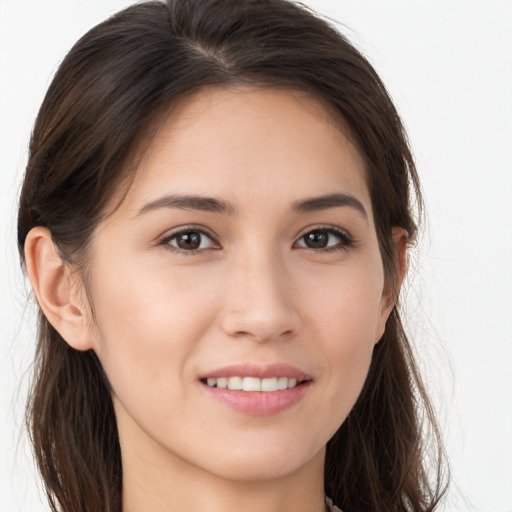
214, 219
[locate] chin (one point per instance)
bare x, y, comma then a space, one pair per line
264, 464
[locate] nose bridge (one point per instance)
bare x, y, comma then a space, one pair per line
259, 301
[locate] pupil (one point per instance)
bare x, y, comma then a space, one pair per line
317, 239
190, 240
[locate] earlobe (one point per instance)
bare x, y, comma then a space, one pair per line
59, 301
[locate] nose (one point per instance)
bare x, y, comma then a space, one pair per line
258, 303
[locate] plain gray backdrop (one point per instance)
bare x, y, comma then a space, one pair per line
448, 66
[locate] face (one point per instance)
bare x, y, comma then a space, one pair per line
238, 289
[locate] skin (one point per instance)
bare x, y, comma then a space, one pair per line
254, 291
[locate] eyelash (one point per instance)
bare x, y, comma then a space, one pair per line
345, 240
166, 240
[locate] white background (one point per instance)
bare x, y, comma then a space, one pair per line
448, 66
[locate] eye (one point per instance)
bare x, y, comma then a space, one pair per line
325, 239
189, 240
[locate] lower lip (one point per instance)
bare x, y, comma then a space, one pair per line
259, 403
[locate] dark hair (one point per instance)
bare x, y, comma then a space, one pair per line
106, 99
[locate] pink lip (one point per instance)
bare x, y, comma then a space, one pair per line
260, 371
254, 402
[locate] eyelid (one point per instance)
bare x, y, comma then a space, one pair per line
327, 227
347, 240
169, 235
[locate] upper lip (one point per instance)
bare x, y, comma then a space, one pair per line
261, 371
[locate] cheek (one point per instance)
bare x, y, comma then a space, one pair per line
347, 303
148, 323
347, 315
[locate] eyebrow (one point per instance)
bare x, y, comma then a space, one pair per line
189, 202
330, 201
214, 205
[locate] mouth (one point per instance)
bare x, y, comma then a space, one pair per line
257, 390
254, 384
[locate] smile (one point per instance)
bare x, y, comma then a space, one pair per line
266, 385
257, 390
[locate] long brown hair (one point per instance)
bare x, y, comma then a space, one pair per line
103, 103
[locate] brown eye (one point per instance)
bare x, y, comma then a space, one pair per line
316, 239
325, 238
189, 240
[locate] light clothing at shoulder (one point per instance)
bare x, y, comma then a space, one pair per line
331, 506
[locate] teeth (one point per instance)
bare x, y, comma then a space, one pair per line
235, 383
251, 384
268, 384
282, 383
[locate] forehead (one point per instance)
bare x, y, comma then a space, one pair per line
242, 144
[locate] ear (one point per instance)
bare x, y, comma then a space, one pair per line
390, 294
59, 300
400, 238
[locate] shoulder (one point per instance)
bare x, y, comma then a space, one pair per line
331, 506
